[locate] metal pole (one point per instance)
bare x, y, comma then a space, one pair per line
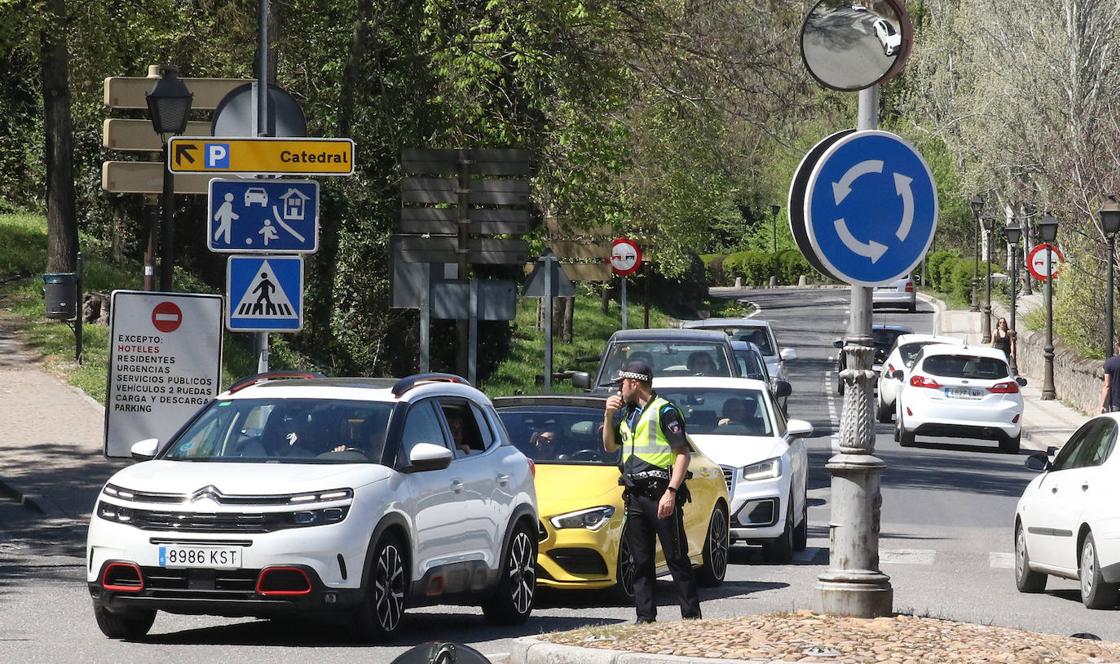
986, 317
1110, 346
472, 337
1048, 391
853, 584
81, 315
975, 305
425, 320
622, 299
549, 263
151, 225
167, 229
462, 254
1027, 286
260, 339
1014, 251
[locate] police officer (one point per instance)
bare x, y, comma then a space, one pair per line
655, 457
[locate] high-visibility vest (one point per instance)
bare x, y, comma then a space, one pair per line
647, 442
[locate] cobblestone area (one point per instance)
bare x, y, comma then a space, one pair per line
808, 637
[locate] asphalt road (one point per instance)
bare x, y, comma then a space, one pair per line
946, 544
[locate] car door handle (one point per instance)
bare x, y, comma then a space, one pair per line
1085, 486
503, 479
1054, 490
457, 486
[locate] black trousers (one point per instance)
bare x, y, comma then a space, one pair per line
642, 526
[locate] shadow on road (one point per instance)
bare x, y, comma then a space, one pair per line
981, 475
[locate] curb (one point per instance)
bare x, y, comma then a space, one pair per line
938, 309
531, 650
41, 504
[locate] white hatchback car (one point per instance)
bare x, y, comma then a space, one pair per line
960, 392
356, 496
735, 423
1067, 522
902, 356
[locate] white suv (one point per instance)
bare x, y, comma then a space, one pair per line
309, 495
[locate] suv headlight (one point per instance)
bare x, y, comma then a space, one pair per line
765, 470
591, 519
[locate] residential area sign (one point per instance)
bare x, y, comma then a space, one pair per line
263, 216
262, 156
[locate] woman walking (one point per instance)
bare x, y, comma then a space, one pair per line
1003, 338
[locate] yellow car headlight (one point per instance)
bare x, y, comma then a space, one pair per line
591, 519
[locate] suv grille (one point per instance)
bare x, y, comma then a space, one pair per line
221, 522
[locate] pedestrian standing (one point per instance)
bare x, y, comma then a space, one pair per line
1003, 339
1110, 393
655, 454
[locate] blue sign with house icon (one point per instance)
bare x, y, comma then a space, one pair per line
263, 216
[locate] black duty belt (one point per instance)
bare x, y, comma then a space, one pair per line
649, 475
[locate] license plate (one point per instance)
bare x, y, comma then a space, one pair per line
185, 555
961, 393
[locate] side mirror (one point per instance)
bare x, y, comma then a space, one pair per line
1037, 462
428, 456
782, 389
898, 375
1022, 382
145, 449
839, 343
1051, 451
789, 354
798, 429
581, 379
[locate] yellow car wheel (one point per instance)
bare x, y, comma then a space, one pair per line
624, 572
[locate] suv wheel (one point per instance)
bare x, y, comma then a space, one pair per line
379, 616
512, 601
801, 532
130, 626
884, 413
714, 568
1010, 445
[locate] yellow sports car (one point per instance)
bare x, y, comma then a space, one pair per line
580, 501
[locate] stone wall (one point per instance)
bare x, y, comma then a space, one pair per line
1077, 381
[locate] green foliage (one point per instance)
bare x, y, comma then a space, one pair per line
713, 269
791, 265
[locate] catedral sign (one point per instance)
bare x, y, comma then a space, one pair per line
267, 156
165, 359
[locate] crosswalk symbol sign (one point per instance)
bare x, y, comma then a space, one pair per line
264, 293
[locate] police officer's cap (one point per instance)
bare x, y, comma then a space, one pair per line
637, 370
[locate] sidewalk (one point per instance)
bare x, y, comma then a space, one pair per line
1045, 423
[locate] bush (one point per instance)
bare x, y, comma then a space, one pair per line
791, 265
734, 265
713, 269
961, 281
945, 273
758, 267
933, 265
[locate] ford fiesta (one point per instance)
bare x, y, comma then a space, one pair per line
311, 495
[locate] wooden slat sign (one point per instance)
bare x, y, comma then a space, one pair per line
139, 136
444, 221
483, 192
482, 161
129, 91
441, 249
576, 249
146, 177
581, 271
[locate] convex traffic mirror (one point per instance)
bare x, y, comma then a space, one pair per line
853, 44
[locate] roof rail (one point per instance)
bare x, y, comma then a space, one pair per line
242, 383
405, 384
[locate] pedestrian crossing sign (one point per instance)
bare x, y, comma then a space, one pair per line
264, 293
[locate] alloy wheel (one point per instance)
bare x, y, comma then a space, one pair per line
717, 544
522, 572
388, 588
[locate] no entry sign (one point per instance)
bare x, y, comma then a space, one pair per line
1038, 265
165, 362
167, 316
626, 257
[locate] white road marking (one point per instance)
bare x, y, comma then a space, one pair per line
907, 556
1001, 560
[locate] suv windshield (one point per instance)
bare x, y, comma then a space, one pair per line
559, 434
285, 431
965, 366
755, 334
693, 358
750, 365
721, 411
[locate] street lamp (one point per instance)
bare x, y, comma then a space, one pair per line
989, 222
1110, 223
1048, 232
977, 204
1013, 232
169, 103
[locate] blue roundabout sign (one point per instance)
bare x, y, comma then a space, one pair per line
870, 208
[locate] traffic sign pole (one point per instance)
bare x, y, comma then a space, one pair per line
260, 341
853, 584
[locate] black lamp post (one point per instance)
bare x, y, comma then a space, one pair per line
989, 223
169, 103
1110, 223
977, 204
1048, 232
1013, 232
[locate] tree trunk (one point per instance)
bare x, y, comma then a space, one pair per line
62, 228
569, 315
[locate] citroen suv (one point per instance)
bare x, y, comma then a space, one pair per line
298, 495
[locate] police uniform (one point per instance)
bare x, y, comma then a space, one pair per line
649, 437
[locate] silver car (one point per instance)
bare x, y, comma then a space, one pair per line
901, 294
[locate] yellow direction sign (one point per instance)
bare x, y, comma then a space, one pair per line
265, 156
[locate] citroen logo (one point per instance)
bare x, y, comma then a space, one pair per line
207, 492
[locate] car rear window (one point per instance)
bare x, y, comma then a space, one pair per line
965, 366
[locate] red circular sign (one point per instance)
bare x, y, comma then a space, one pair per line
626, 257
167, 316
1036, 261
